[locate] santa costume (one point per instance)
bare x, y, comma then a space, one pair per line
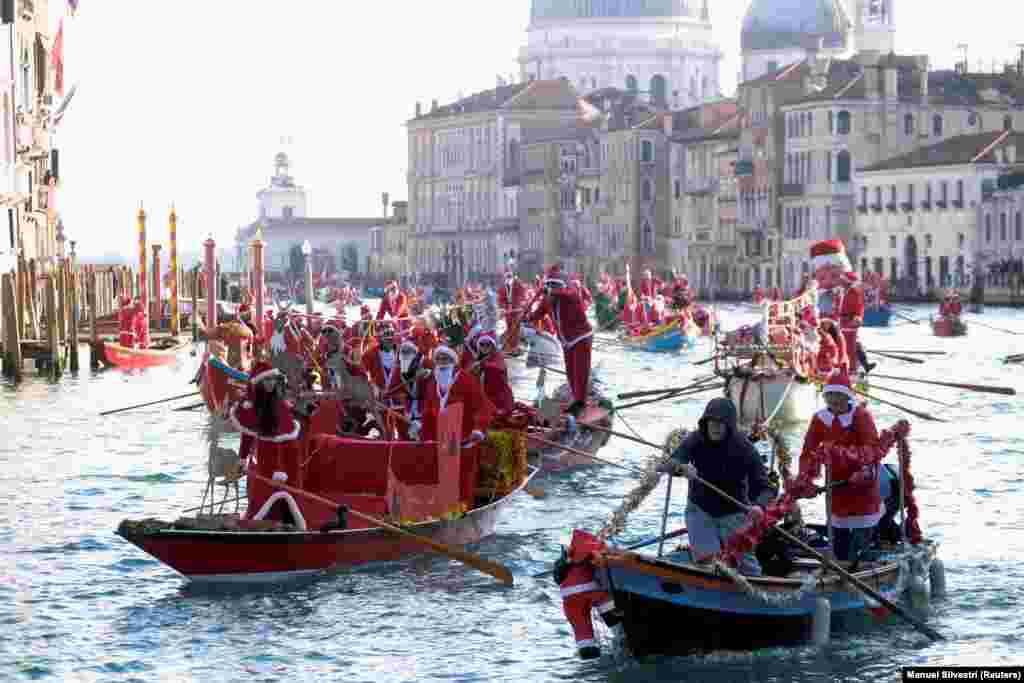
512, 298
856, 505
565, 307
394, 304
493, 374
448, 386
126, 319
840, 292
271, 444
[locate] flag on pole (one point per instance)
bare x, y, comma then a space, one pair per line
57, 59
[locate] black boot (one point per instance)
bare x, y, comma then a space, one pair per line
576, 408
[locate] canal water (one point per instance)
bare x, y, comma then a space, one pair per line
79, 604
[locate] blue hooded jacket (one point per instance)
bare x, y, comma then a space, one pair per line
731, 464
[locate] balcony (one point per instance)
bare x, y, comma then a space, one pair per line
958, 203
907, 206
926, 206
877, 208
701, 185
941, 204
892, 207
793, 190
862, 208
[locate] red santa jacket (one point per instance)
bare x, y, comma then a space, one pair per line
380, 375
288, 339
585, 296
570, 317
650, 287
398, 308
477, 409
512, 297
493, 374
853, 505
831, 354
950, 309
847, 306
409, 396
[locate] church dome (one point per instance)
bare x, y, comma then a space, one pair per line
557, 10
786, 24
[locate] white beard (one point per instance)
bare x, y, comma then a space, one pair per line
277, 343
444, 377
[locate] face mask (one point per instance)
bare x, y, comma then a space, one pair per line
443, 375
407, 361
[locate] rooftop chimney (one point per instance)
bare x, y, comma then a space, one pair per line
433, 105
419, 110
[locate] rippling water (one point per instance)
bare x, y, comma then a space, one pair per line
79, 604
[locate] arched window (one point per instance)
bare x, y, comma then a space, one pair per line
631, 84
908, 124
843, 123
646, 151
648, 237
937, 125
1007, 122
843, 164
659, 90
645, 191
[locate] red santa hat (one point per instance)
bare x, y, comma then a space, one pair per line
830, 253
244, 309
554, 276
391, 285
263, 371
839, 383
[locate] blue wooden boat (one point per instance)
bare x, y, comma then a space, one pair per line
877, 317
663, 339
670, 605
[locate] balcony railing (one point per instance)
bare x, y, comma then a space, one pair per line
793, 190
926, 206
958, 203
892, 207
877, 208
941, 204
862, 208
907, 206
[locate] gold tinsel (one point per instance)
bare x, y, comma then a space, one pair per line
503, 464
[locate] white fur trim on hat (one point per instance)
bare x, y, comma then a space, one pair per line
266, 374
839, 260
447, 351
554, 281
839, 389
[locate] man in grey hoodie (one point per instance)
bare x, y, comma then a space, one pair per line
721, 455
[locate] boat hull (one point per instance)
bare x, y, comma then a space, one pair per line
544, 349
137, 359
878, 317
254, 557
677, 609
757, 398
948, 327
661, 342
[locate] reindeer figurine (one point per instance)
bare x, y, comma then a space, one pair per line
223, 467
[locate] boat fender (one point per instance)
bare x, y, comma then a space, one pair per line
937, 578
581, 595
920, 591
300, 521
821, 622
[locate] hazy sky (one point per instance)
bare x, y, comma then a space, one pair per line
186, 101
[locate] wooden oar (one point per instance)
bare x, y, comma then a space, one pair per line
997, 329
494, 569
913, 353
1003, 391
672, 390
905, 359
576, 451
635, 439
923, 416
705, 361
636, 546
678, 394
831, 564
146, 405
903, 393
194, 406
908, 319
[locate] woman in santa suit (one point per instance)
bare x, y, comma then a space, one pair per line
380, 361
831, 349
493, 373
271, 443
395, 304
407, 386
450, 386
857, 503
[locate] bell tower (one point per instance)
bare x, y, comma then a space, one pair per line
874, 25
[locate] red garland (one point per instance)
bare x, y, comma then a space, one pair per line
746, 539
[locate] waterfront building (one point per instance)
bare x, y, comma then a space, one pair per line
660, 49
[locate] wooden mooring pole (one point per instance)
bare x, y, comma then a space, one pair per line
53, 339
76, 286
92, 278
12, 341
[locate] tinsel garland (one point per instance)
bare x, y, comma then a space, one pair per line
773, 598
648, 482
746, 539
913, 527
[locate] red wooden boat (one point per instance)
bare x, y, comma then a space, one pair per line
136, 359
220, 384
949, 327
409, 483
